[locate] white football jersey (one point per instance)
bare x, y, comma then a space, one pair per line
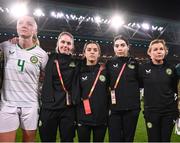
21, 74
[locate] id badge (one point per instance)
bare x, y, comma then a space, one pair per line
113, 97
87, 107
67, 99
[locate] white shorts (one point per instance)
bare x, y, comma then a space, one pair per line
11, 118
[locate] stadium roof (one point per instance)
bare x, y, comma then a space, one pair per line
158, 8
81, 20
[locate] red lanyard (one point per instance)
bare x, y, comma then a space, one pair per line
119, 76
86, 103
60, 75
94, 84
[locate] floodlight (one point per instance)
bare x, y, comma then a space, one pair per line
38, 12
19, 9
145, 26
1, 9
97, 19
154, 27
117, 21
160, 28
60, 15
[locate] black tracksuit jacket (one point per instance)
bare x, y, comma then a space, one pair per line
127, 91
53, 96
160, 87
82, 85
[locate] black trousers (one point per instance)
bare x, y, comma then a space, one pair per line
84, 133
122, 125
50, 121
159, 127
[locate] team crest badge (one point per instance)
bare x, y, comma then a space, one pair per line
102, 78
72, 64
131, 66
149, 124
169, 71
34, 59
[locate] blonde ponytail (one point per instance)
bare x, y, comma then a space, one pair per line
35, 40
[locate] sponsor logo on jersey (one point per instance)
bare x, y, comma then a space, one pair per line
176, 97
102, 78
109, 112
79, 125
72, 64
34, 59
11, 52
131, 66
84, 78
148, 71
40, 123
149, 124
168, 71
115, 65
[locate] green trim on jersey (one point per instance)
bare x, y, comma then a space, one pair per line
27, 49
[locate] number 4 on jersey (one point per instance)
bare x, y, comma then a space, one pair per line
21, 65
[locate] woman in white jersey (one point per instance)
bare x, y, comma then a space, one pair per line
19, 95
